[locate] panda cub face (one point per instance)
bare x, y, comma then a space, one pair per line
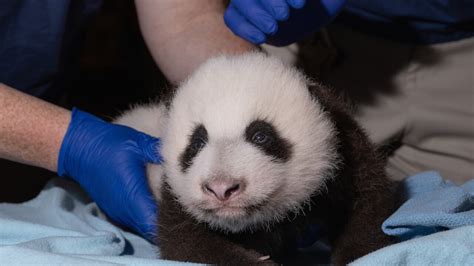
246, 145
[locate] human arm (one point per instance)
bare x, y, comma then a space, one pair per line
31, 130
181, 34
107, 160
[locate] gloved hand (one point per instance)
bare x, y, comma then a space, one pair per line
279, 22
109, 162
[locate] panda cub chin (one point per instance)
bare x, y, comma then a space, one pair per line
254, 154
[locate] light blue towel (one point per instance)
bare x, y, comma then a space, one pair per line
452, 247
433, 205
62, 226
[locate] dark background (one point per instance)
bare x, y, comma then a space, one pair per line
113, 71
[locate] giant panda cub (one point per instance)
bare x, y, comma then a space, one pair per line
255, 154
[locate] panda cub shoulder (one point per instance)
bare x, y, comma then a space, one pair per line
253, 154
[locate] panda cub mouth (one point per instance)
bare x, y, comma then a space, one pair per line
246, 210
227, 212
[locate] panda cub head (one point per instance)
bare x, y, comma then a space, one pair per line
246, 144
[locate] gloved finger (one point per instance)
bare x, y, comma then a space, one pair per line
256, 14
241, 27
145, 214
279, 9
141, 206
297, 3
151, 147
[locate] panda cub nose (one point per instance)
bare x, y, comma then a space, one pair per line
223, 188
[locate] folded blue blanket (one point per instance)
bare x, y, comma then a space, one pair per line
62, 226
452, 247
433, 205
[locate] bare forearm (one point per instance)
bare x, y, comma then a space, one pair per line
181, 34
31, 130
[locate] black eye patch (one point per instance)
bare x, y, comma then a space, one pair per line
265, 137
197, 141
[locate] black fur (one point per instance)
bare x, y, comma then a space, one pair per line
197, 141
273, 144
356, 202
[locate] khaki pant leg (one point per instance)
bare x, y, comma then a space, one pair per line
423, 93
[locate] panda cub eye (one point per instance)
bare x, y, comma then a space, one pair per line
260, 138
264, 136
197, 144
197, 141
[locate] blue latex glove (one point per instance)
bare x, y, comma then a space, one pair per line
279, 22
109, 162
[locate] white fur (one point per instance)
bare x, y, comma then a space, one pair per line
225, 95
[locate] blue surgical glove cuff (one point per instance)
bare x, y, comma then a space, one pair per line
77, 118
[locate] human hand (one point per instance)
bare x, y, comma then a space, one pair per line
279, 22
109, 162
